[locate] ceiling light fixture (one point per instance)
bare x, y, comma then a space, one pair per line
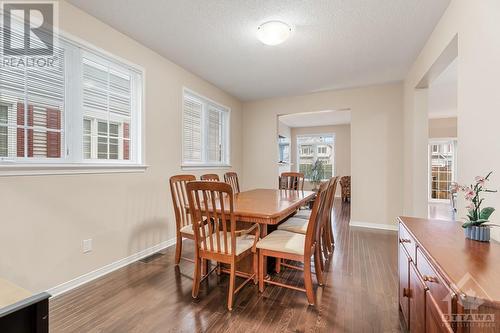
273, 32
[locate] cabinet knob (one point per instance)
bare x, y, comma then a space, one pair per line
404, 240
430, 278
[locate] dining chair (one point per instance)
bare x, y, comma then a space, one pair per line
216, 238
210, 176
286, 245
345, 183
300, 225
291, 181
232, 179
184, 228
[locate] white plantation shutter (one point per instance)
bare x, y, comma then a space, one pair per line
214, 144
204, 132
192, 130
107, 98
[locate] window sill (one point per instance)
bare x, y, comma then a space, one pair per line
67, 169
206, 167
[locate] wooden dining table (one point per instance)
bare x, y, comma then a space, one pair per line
268, 206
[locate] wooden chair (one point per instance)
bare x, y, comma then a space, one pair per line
210, 176
291, 181
184, 228
232, 179
285, 245
216, 237
300, 225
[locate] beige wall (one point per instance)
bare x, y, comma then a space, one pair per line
342, 149
477, 26
376, 145
45, 218
443, 128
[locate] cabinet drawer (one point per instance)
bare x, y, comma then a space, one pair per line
443, 295
407, 241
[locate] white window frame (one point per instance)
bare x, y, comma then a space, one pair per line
73, 161
226, 151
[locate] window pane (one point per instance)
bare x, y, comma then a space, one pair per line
442, 160
87, 138
315, 156
4, 142
102, 147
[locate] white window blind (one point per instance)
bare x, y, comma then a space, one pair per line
192, 128
205, 132
95, 95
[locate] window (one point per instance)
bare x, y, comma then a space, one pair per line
316, 149
84, 108
205, 132
284, 149
442, 169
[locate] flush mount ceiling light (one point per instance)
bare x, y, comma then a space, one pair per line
273, 32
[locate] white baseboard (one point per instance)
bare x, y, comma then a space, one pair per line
391, 227
67, 286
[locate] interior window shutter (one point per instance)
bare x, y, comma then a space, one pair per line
192, 128
214, 144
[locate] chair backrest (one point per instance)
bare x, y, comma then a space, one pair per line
316, 217
210, 176
180, 199
291, 181
232, 179
211, 207
332, 189
345, 182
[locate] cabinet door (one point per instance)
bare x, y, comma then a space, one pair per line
434, 318
404, 266
417, 301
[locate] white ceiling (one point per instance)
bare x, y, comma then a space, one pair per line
443, 93
318, 118
335, 43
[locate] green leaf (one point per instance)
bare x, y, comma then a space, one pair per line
486, 213
467, 224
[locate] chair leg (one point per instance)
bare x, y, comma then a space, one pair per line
319, 272
261, 271
196, 277
255, 268
308, 281
178, 249
232, 281
277, 267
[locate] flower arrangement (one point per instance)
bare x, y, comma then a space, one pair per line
477, 216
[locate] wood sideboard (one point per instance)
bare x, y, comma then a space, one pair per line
447, 283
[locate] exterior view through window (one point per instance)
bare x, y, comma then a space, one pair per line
442, 169
316, 149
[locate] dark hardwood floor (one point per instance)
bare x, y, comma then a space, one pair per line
360, 295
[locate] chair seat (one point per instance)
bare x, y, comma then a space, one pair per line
283, 241
243, 243
188, 229
294, 224
303, 214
